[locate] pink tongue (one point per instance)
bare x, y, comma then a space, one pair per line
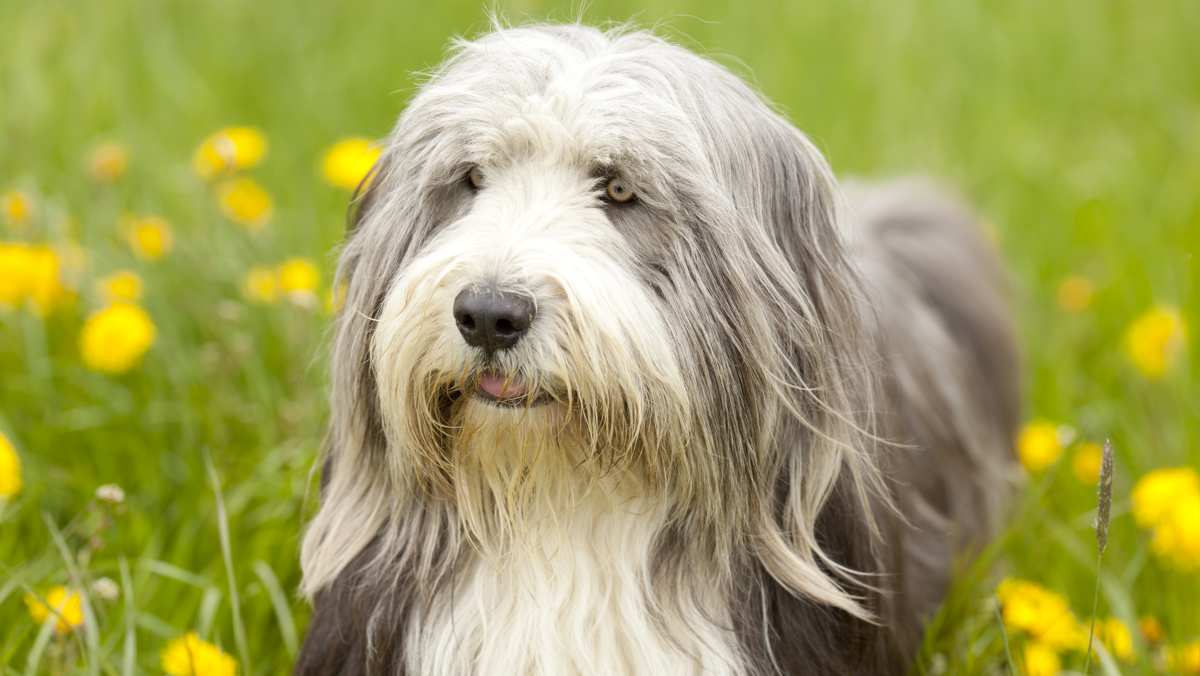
501, 387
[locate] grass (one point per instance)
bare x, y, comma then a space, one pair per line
1074, 125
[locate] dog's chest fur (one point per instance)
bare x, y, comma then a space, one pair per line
577, 600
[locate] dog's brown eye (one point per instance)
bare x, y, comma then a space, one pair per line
475, 177
618, 190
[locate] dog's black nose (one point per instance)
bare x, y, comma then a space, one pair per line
491, 319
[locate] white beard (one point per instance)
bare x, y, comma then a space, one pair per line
572, 595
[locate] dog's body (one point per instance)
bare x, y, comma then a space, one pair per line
619, 389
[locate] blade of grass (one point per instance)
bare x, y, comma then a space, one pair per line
283, 613
239, 629
129, 649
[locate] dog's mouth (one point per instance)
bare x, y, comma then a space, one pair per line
507, 391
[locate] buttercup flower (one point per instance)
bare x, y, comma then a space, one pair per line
107, 162
1157, 493
260, 285
1075, 293
149, 237
1039, 445
1085, 463
246, 202
1156, 340
122, 285
299, 278
17, 208
10, 469
64, 604
1042, 614
1041, 660
189, 655
115, 338
228, 150
349, 161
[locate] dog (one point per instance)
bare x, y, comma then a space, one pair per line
625, 383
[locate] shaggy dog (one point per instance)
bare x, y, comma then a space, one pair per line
624, 384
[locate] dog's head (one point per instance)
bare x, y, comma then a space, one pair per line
587, 257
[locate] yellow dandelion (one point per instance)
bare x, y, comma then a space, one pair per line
13, 257
1041, 614
1086, 462
1177, 536
1117, 638
299, 279
1155, 340
1041, 660
1039, 445
261, 285
1151, 628
107, 162
115, 338
66, 605
149, 237
43, 280
1184, 659
349, 161
189, 655
122, 285
1157, 493
228, 150
17, 208
246, 202
10, 469
1075, 293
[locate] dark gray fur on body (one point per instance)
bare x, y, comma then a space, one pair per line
851, 373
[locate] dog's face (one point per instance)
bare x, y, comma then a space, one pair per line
593, 255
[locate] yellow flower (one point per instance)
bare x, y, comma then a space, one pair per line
189, 655
114, 339
31, 275
349, 161
64, 604
1155, 340
1042, 614
1039, 445
1177, 535
1116, 637
108, 162
298, 279
1151, 628
1185, 659
1075, 293
246, 202
149, 237
10, 469
228, 150
1086, 462
1041, 660
260, 285
122, 285
1157, 493
17, 208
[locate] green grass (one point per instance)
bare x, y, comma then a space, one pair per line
1074, 125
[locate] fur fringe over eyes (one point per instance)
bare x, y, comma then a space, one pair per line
756, 424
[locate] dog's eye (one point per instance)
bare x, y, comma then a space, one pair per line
475, 177
618, 190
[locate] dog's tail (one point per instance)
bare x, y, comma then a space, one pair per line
951, 395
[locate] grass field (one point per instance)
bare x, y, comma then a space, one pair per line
1074, 125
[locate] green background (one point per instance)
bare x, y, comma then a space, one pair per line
1074, 125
